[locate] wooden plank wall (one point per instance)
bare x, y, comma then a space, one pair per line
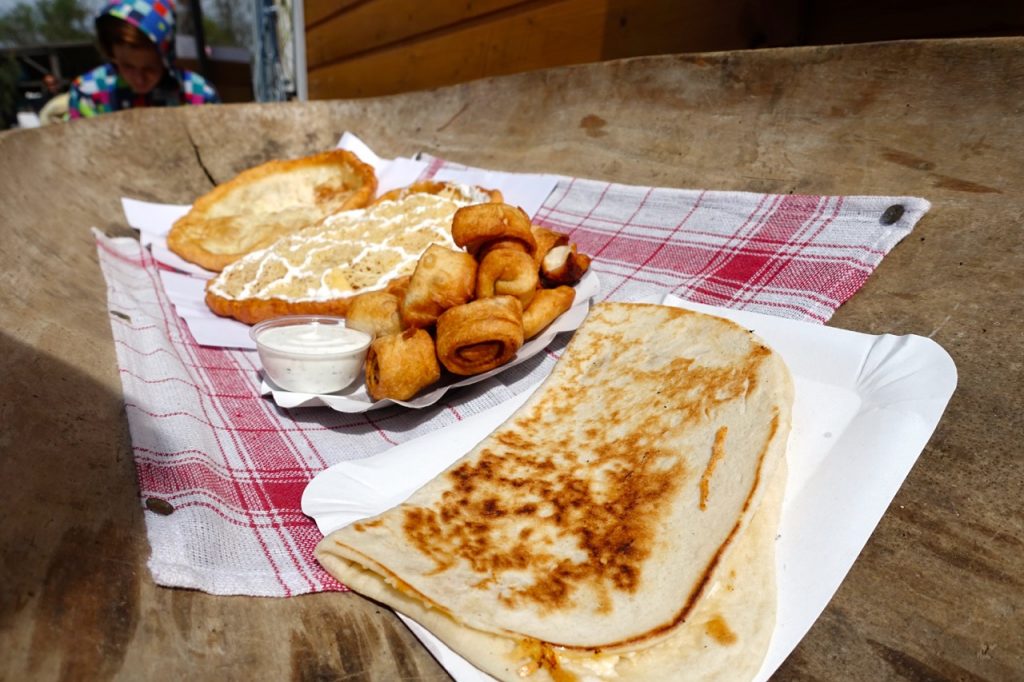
360, 48
374, 47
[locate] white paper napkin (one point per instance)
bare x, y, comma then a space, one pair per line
186, 290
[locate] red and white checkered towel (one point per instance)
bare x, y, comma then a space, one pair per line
221, 470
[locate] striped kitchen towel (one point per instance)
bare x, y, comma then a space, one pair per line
221, 469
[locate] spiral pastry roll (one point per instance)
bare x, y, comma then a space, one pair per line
481, 335
398, 366
507, 272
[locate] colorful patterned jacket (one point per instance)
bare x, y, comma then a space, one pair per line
103, 90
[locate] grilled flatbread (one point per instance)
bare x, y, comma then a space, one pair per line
619, 525
264, 203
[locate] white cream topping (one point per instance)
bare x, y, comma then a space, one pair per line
308, 265
313, 339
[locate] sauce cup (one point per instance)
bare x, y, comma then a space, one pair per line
310, 353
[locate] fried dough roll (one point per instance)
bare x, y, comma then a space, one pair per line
563, 265
375, 312
398, 366
502, 244
443, 278
398, 286
476, 226
546, 240
478, 336
547, 304
507, 272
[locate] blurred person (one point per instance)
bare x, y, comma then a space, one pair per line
51, 87
55, 107
137, 37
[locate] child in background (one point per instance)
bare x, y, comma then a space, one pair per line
137, 36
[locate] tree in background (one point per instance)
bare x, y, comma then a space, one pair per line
225, 22
46, 21
230, 19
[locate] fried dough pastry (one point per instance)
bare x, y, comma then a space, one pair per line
374, 312
477, 226
563, 265
546, 305
480, 335
272, 200
465, 194
317, 271
398, 286
398, 366
507, 272
443, 278
546, 240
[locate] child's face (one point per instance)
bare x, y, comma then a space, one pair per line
141, 67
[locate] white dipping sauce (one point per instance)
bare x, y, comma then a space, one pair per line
313, 339
311, 356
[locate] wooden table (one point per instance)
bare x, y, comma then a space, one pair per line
938, 592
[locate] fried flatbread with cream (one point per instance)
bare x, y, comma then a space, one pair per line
264, 203
620, 525
449, 190
318, 270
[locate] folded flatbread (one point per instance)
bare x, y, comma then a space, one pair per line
620, 525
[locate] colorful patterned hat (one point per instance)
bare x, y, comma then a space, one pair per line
155, 18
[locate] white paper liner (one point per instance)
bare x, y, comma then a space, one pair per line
355, 398
865, 407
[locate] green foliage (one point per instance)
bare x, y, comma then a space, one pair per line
216, 33
227, 22
46, 21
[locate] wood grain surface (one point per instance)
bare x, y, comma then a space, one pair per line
937, 593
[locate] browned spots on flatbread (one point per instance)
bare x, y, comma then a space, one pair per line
772, 430
717, 452
719, 630
713, 564
527, 497
362, 526
533, 655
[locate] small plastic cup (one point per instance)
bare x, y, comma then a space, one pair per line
310, 353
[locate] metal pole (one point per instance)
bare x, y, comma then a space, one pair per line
299, 44
197, 20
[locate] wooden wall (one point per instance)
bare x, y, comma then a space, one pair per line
360, 48
233, 80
